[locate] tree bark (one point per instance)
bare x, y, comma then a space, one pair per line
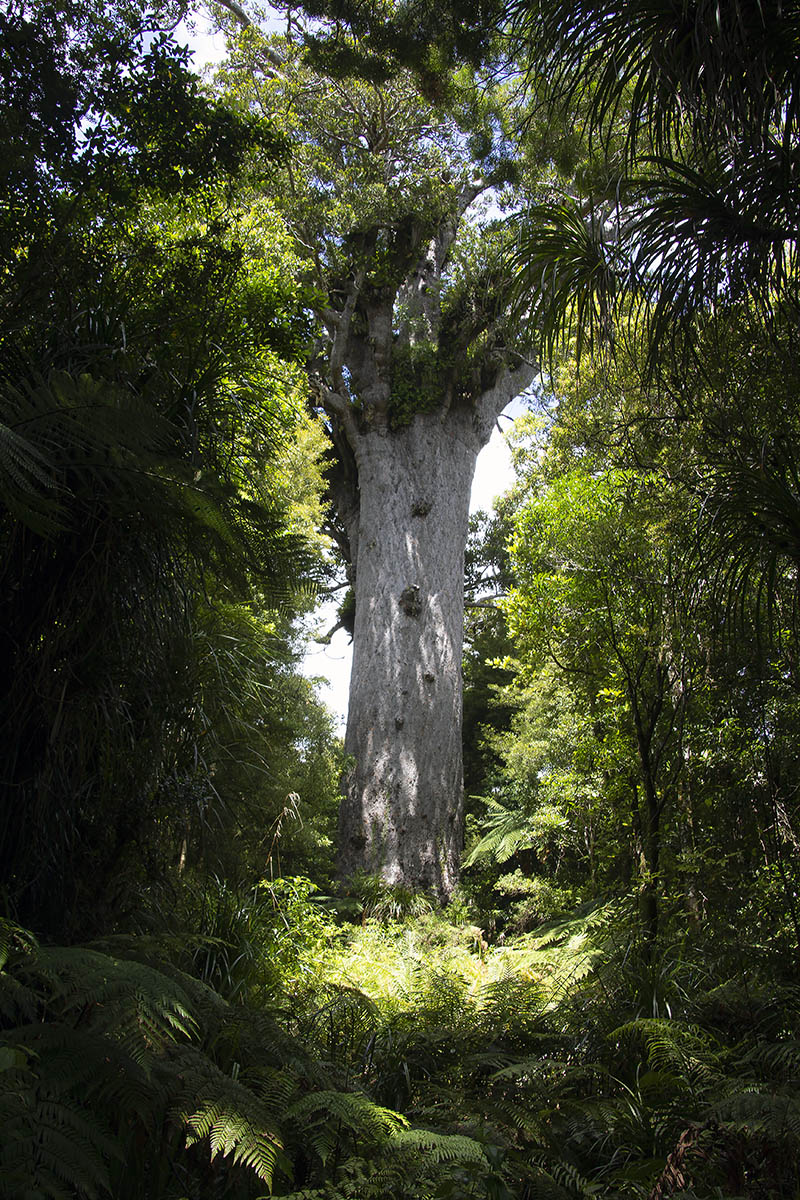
402, 812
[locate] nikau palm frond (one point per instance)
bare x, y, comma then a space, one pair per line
655, 64
566, 267
706, 208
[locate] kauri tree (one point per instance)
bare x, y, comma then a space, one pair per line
415, 361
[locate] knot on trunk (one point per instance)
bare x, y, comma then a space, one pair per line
410, 601
421, 508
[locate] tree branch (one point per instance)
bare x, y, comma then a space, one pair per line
339, 407
325, 639
246, 22
508, 384
341, 332
237, 11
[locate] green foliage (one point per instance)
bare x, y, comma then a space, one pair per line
246, 943
85, 1040
696, 213
384, 902
622, 1020
408, 292
120, 1065
153, 521
426, 37
565, 1064
418, 382
577, 1063
97, 106
135, 1080
638, 620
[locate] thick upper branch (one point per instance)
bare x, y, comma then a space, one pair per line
510, 382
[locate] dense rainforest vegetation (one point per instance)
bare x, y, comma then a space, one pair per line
222, 302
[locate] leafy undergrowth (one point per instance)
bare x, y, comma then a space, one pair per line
582, 1064
384, 959
402, 1058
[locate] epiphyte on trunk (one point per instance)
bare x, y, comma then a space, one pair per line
410, 601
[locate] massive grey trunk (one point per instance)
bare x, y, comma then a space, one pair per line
402, 496
402, 813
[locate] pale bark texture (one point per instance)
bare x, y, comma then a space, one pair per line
402, 813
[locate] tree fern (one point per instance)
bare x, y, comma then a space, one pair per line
341, 1023
413, 1164
230, 1133
111, 1063
542, 1185
52, 1136
683, 1051
512, 829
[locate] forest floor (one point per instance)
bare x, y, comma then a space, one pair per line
398, 1056
385, 959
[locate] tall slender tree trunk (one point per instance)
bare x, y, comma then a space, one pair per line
402, 812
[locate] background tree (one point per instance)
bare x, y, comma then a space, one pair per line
631, 742
147, 372
599, 593
486, 644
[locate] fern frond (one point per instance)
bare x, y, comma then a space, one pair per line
76, 1059
18, 1001
775, 1114
676, 1048
325, 1114
125, 996
14, 942
50, 1140
221, 1109
274, 1088
208, 1008
353, 1109
518, 1116
530, 1070
542, 1186
231, 1133
438, 1147
342, 1025
557, 1180
508, 831
777, 1060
